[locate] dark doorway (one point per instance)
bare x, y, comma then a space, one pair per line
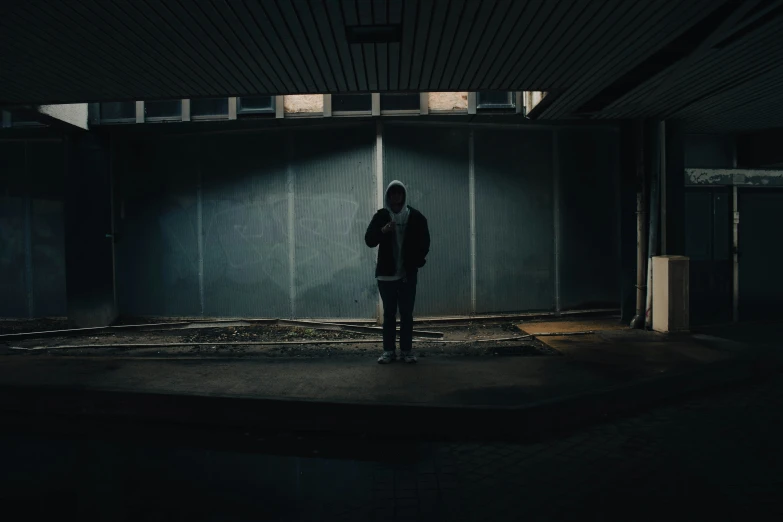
708, 244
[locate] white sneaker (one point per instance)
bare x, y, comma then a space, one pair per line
409, 357
386, 358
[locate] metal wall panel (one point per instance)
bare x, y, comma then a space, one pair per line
589, 258
46, 172
433, 164
245, 220
514, 221
715, 151
157, 260
333, 174
13, 290
761, 252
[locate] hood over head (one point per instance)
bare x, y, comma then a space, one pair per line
402, 216
386, 194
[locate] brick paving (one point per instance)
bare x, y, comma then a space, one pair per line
716, 458
713, 458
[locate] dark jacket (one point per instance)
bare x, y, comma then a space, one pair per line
415, 246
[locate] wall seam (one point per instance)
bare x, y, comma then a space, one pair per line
291, 222
379, 192
200, 236
556, 214
472, 207
113, 226
28, 240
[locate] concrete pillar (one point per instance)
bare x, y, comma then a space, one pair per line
89, 243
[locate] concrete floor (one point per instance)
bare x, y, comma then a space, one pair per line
589, 363
710, 458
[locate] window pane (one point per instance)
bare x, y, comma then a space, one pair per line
400, 102
118, 111
209, 107
495, 99
257, 103
163, 109
22, 119
351, 102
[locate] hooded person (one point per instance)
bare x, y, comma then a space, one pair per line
403, 239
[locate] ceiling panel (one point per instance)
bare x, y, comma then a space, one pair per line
595, 57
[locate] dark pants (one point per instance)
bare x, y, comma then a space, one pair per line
402, 294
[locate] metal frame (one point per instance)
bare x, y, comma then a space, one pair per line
405, 112
139, 112
157, 119
471, 103
424, 103
208, 117
512, 105
472, 210
185, 109
537, 126
379, 192
241, 111
279, 102
113, 121
232, 108
375, 107
349, 114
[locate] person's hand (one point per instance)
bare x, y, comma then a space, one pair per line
389, 227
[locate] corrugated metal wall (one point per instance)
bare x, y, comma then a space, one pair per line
32, 247
156, 250
433, 164
245, 226
333, 179
270, 223
266, 224
514, 220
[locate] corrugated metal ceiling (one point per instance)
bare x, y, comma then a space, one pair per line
582, 51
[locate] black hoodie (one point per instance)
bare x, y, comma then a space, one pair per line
415, 246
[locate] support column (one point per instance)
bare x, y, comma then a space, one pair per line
631, 188
89, 237
673, 190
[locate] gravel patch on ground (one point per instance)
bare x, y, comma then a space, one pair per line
470, 339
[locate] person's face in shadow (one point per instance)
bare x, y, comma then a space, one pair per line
396, 198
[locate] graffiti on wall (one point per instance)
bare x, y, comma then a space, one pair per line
250, 243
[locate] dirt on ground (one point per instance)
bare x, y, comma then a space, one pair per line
470, 339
